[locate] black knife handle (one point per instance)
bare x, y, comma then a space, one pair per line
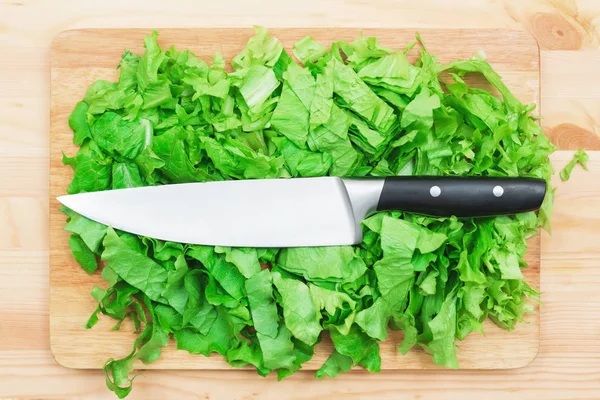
461, 196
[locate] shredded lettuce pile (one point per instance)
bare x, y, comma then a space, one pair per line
347, 109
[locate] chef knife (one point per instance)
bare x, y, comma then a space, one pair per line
297, 212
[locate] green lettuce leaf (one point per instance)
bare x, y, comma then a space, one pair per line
92, 170
580, 157
245, 259
332, 264
359, 347
336, 363
82, 254
443, 328
256, 84
133, 267
357, 96
261, 49
300, 314
222, 336
278, 352
262, 304
292, 114
79, 124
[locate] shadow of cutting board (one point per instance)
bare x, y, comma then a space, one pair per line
79, 57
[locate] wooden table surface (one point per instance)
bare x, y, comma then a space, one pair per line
568, 365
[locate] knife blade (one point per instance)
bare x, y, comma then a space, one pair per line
296, 212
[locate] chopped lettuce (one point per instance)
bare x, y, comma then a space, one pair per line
351, 109
580, 157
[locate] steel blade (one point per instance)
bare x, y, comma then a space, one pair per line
245, 213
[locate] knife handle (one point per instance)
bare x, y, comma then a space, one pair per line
461, 196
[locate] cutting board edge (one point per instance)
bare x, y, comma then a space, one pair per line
523, 34
71, 31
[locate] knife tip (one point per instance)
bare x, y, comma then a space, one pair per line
65, 200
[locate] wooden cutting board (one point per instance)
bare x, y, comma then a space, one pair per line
79, 57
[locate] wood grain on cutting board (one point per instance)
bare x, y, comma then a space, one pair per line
80, 57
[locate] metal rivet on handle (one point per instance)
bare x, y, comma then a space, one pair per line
435, 191
498, 191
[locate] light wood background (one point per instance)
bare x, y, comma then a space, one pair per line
568, 364
79, 57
